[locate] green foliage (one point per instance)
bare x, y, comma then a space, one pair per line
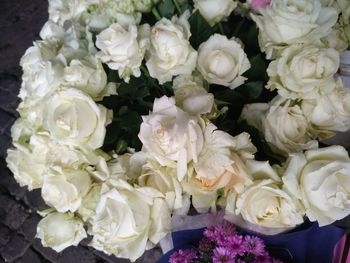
166, 8
200, 29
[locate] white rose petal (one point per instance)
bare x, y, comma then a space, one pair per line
264, 204
321, 180
214, 12
170, 53
171, 136
287, 22
304, 72
60, 231
330, 112
63, 189
129, 220
73, 118
122, 49
222, 61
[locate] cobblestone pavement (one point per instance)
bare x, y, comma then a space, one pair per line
20, 23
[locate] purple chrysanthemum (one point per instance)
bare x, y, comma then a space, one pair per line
222, 255
218, 233
254, 245
183, 256
236, 245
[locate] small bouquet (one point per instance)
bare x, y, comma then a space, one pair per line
221, 244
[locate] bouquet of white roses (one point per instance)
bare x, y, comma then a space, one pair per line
135, 110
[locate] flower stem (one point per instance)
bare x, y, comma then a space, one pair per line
177, 5
156, 14
221, 29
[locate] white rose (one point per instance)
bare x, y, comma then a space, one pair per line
144, 5
62, 10
336, 39
64, 189
87, 208
214, 11
119, 6
330, 112
129, 220
220, 167
222, 61
164, 180
52, 32
286, 22
122, 49
264, 207
73, 118
26, 167
320, 178
170, 53
60, 231
88, 75
29, 161
41, 77
171, 136
191, 96
283, 124
304, 72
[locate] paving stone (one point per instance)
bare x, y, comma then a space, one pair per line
77, 254
28, 228
16, 215
34, 200
8, 103
6, 121
29, 257
5, 143
48, 253
15, 248
5, 235
8, 182
110, 259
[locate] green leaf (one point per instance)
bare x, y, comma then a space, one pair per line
122, 145
252, 90
200, 29
166, 8
258, 68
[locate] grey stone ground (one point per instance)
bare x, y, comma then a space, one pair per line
20, 23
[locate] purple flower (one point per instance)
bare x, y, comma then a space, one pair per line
222, 255
236, 245
183, 256
219, 232
254, 245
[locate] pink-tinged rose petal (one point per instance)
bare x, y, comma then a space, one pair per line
258, 4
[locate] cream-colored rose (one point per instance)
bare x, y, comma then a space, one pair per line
336, 39
171, 136
89, 202
220, 167
123, 49
283, 125
144, 5
170, 53
129, 220
59, 231
63, 10
88, 75
29, 161
330, 112
304, 72
214, 11
42, 75
164, 180
73, 118
64, 189
287, 22
265, 205
191, 96
320, 178
222, 61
